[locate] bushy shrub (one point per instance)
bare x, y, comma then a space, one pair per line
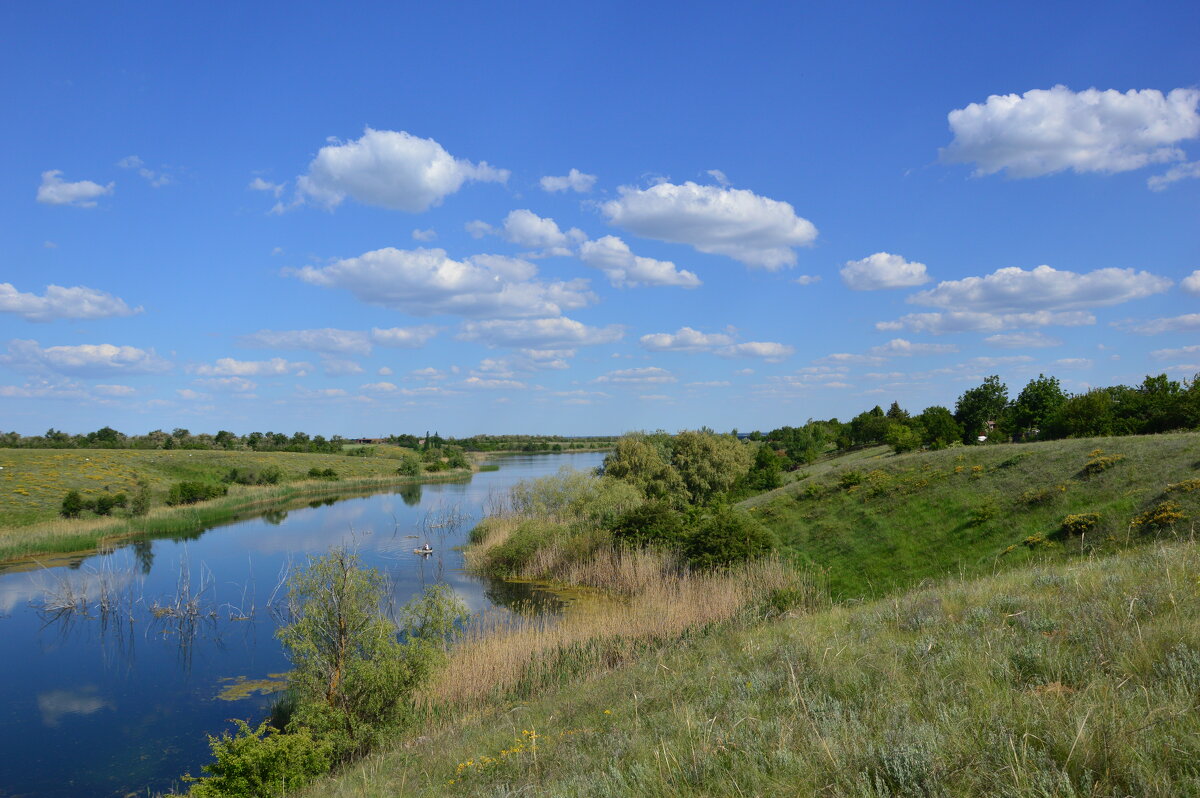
192, 492
984, 511
269, 475
850, 479
1079, 523
409, 467
1161, 516
652, 524
323, 473
1100, 463
72, 505
509, 557
139, 504
576, 497
260, 763
105, 502
727, 537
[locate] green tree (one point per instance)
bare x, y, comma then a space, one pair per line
637, 459
709, 464
353, 676
938, 427
767, 471
979, 407
901, 438
1038, 400
1083, 415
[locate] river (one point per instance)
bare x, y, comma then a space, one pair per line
112, 694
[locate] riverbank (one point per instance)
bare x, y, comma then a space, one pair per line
74, 539
1079, 679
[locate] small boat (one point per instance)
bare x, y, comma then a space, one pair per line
426, 549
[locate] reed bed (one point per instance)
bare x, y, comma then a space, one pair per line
641, 609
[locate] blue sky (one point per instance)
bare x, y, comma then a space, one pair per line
586, 220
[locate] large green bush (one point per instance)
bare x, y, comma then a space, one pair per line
727, 537
260, 763
652, 524
192, 492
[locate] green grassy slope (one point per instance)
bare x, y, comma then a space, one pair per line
875, 522
1075, 680
34, 481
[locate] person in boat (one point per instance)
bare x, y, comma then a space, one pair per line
427, 548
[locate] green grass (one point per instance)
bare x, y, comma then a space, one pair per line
973, 510
1075, 680
34, 481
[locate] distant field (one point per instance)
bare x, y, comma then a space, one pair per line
875, 522
34, 481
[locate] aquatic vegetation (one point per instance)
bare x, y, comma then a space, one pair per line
240, 687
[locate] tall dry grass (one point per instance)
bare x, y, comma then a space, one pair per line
647, 601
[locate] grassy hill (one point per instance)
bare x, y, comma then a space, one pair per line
875, 522
1081, 679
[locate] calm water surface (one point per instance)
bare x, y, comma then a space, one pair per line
117, 703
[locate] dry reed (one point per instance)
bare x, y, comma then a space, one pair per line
496, 655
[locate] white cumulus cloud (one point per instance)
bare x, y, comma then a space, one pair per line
426, 281
883, 270
390, 169
525, 228
555, 333
258, 184
323, 340
1188, 322
648, 375
1049, 130
977, 321
155, 179
81, 194
404, 337
58, 302
229, 367
1016, 290
612, 256
685, 339
574, 180
769, 351
1190, 284
1022, 340
899, 347
1183, 171
757, 231
84, 359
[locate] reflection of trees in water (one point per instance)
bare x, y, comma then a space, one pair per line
275, 517
521, 597
411, 494
143, 550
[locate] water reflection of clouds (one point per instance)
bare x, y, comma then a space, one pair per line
55, 704
25, 587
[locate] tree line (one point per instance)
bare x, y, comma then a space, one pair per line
180, 438
986, 414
